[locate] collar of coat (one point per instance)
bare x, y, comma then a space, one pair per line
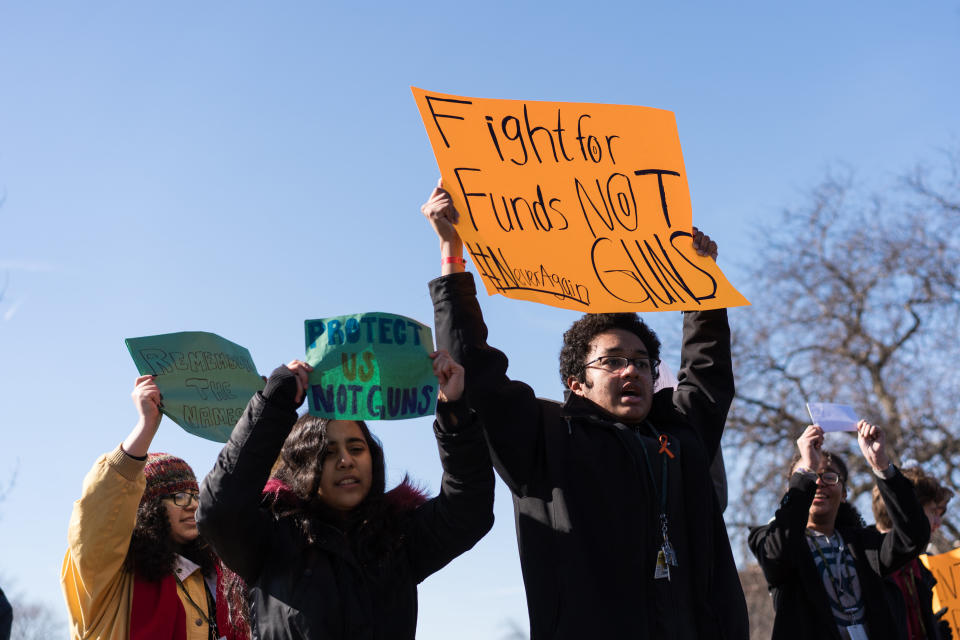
406, 496
576, 406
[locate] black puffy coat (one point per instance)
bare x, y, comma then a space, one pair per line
321, 591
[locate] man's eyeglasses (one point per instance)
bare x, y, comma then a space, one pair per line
829, 478
183, 498
616, 364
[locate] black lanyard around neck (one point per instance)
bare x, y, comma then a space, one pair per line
211, 620
666, 556
836, 581
662, 490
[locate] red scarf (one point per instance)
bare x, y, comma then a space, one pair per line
157, 612
907, 579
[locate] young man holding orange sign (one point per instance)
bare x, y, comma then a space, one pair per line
618, 524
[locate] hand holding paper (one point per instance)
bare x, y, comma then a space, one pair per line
832, 417
146, 397
449, 374
441, 213
810, 443
301, 370
873, 445
703, 245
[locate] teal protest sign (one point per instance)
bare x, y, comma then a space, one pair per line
206, 380
370, 366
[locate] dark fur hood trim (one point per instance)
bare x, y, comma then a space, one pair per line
404, 497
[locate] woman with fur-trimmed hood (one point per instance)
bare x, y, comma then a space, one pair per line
135, 565
327, 553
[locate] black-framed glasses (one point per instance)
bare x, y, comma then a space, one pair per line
616, 364
183, 498
829, 478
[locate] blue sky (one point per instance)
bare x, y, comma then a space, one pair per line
240, 167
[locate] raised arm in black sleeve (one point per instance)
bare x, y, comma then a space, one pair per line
911, 529
454, 521
777, 544
705, 385
509, 410
229, 516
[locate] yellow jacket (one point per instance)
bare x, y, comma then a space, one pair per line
97, 588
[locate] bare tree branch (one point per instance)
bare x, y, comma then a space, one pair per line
857, 301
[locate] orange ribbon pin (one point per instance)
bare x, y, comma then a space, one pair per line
663, 446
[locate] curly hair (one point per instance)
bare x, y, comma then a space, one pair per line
928, 489
153, 553
577, 339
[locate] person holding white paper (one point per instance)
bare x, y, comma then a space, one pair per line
824, 567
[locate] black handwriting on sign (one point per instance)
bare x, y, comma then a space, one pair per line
511, 212
495, 269
612, 202
591, 149
640, 272
514, 137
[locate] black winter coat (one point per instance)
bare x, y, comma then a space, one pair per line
802, 609
321, 591
585, 489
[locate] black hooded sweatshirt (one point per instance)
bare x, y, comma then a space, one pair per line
587, 490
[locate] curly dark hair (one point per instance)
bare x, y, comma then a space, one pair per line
373, 528
577, 339
153, 553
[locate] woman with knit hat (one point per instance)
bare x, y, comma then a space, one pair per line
135, 565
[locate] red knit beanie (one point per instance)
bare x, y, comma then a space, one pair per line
167, 474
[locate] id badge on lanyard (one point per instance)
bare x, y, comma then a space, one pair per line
857, 632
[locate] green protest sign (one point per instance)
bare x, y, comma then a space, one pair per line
370, 366
206, 380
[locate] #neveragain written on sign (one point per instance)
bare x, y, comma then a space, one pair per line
574, 205
370, 366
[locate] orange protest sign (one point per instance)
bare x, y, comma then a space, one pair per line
574, 205
945, 567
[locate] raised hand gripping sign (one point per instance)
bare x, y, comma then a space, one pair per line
370, 366
206, 381
574, 205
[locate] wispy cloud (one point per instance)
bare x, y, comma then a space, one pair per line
27, 265
11, 311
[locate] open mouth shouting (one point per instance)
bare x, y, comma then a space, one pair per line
631, 393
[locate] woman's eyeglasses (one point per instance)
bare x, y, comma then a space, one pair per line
829, 477
183, 498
